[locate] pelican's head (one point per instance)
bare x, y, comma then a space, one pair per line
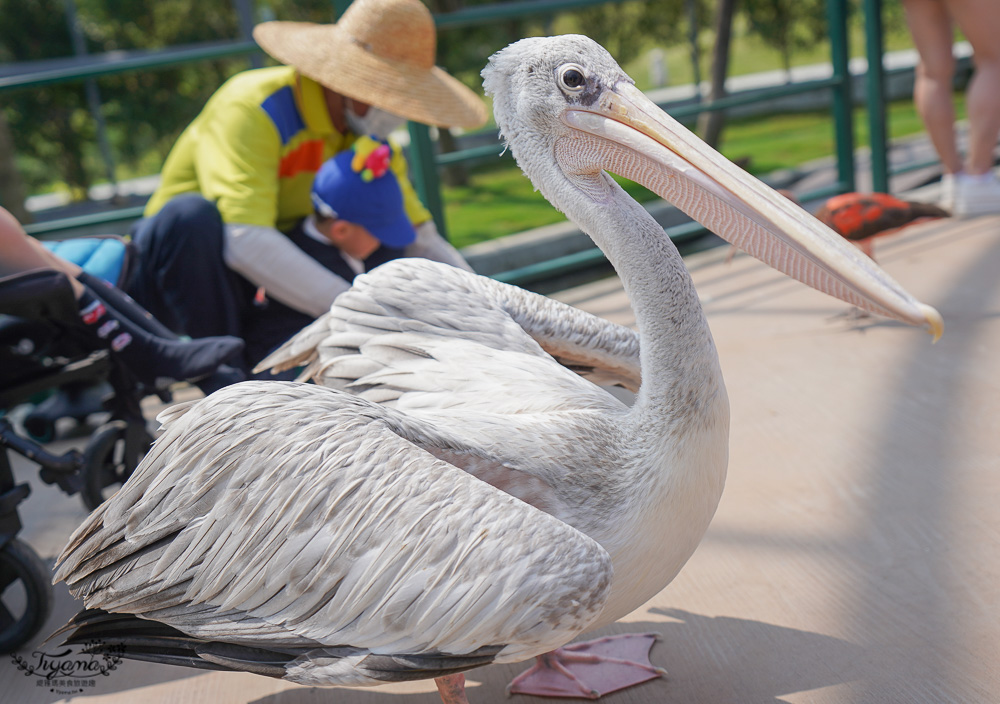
568, 111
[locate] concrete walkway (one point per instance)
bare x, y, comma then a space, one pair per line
855, 556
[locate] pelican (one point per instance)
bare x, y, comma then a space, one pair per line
468, 500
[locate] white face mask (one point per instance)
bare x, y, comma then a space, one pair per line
376, 123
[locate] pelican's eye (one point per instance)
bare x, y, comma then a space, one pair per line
571, 78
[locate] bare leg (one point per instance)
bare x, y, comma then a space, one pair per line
979, 21
22, 253
931, 28
452, 689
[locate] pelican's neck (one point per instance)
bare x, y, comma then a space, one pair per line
680, 368
675, 437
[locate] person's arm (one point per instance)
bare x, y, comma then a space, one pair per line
20, 253
267, 258
430, 245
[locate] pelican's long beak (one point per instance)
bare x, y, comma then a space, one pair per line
739, 207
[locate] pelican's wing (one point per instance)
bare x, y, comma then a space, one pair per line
297, 519
418, 296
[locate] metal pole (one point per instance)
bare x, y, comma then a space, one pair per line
93, 98
423, 169
843, 124
875, 86
244, 16
339, 6
693, 40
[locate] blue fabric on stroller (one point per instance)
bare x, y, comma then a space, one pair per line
105, 257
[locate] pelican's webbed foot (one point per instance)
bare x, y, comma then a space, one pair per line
591, 669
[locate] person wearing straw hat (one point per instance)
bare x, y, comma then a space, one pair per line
242, 171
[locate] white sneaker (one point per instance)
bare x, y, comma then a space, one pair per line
947, 199
976, 195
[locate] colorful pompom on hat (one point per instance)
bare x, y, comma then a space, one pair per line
357, 185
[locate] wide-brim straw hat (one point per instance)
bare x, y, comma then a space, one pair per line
381, 52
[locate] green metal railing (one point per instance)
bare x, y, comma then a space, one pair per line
877, 125
42, 73
425, 161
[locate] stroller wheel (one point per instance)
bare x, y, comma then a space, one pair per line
110, 457
25, 594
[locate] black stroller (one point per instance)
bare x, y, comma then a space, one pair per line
37, 357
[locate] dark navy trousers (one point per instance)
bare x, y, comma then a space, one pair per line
179, 274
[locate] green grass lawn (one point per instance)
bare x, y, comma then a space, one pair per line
783, 141
500, 201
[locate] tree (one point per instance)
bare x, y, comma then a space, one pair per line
45, 121
628, 29
462, 52
150, 108
11, 186
787, 24
51, 128
710, 124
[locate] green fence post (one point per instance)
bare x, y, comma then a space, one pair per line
843, 123
339, 6
875, 87
423, 171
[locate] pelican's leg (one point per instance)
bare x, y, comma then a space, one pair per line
853, 315
452, 689
590, 669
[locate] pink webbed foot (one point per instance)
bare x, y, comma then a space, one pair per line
591, 669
